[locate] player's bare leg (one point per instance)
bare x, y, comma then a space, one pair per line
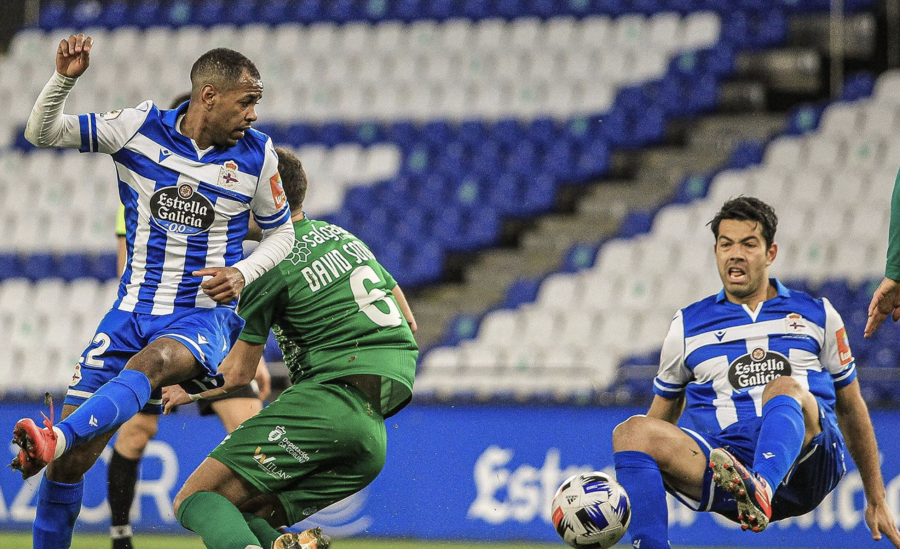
234, 411
680, 459
164, 361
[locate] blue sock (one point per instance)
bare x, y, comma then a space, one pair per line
114, 403
58, 506
639, 474
780, 439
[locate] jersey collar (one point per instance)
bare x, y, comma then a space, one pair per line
779, 287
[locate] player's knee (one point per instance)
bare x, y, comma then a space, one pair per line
182, 495
784, 385
631, 434
151, 362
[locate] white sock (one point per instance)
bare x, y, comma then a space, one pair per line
60, 442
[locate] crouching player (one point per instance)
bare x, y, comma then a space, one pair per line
767, 377
346, 331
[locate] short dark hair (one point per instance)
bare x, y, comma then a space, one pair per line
221, 66
293, 178
748, 208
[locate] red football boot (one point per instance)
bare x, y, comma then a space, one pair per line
38, 446
748, 488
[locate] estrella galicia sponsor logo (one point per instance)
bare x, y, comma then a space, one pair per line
276, 433
757, 367
267, 464
181, 210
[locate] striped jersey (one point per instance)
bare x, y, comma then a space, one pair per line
185, 209
721, 355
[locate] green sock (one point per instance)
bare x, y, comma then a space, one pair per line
217, 521
262, 530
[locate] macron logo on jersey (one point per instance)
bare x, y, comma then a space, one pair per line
720, 335
163, 154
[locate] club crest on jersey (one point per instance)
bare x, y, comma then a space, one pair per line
181, 210
794, 323
228, 177
76, 375
111, 115
276, 433
757, 367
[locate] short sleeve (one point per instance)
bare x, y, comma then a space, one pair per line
260, 305
836, 357
673, 375
269, 204
108, 132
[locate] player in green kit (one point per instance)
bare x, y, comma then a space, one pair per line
346, 331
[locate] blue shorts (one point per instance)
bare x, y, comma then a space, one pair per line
816, 472
207, 333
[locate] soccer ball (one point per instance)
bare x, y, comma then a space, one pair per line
591, 511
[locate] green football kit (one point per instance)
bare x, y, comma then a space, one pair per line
330, 306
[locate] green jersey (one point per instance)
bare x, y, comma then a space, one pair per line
330, 306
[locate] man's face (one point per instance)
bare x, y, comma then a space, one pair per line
742, 257
234, 111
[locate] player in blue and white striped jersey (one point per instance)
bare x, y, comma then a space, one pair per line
766, 376
189, 179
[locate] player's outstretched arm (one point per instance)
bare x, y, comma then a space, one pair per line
47, 126
666, 409
239, 368
885, 301
853, 418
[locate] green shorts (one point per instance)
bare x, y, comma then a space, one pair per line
317, 444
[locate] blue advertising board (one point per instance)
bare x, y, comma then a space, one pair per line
464, 472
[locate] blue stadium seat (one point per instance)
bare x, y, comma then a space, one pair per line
522, 158
273, 12
544, 8
508, 8
692, 187
9, 266
360, 199
178, 13
747, 153
75, 265
343, 11
470, 191
461, 328
858, 86
52, 15
472, 132
508, 131
448, 228
440, 10
636, 222
297, 135
150, 13
241, 12
804, 119
427, 263
36, 266
483, 228
543, 130
718, 60
434, 189
368, 133
559, 159
476, 9
537, 194
505, 194
403, 133
703, 94
104, 266
376, 11
523, 290
408, 10
115, 14
438, 132
333, 133
308, 11
580, 256
649, 127
614, 126
770, 29
648, 7
486, 158
594, 159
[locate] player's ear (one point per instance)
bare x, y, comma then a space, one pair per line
208, 96
771, 253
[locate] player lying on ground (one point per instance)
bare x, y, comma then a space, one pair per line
767, 377
346, 331
189, 179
